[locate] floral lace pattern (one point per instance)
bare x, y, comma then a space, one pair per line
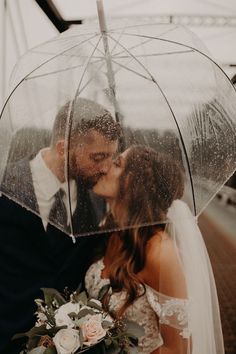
171, 311
144, 310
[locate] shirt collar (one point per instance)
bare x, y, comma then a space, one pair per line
46, 181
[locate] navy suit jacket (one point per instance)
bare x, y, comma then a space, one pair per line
32, 258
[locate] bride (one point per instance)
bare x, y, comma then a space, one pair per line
159, 273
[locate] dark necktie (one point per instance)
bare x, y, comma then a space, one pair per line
58, 212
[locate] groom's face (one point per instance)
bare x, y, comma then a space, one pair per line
91, 157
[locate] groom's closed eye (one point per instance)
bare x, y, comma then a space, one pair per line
99, 157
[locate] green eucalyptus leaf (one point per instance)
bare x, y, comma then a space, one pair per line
19, 335
81, 338
73, 315
83, 298
34, 331
52, 331
132, 339
107, 324
108, 342
50, 350
93, 304
78, 290
103, 291
50, 294
38, 350
33, 342
85, 312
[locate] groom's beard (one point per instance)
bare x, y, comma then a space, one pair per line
81, 175
88, 181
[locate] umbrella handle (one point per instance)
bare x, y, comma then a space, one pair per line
110, 72
101, 16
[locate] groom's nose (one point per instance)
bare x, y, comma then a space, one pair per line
106, 165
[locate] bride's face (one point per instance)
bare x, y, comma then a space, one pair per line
108, 185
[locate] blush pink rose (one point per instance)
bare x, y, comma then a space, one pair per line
92, 329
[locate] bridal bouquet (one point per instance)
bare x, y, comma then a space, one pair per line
74, 323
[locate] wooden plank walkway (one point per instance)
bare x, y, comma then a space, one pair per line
222, 252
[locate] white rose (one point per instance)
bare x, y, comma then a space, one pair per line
92, 329
66, 341
61, 315
109, 319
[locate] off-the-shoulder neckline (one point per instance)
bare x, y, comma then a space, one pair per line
159, 294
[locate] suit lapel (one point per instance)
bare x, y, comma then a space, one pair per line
18, 185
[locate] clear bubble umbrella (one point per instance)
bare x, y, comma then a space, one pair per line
176, 106
154, 79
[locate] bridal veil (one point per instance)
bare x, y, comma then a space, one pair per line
194, 312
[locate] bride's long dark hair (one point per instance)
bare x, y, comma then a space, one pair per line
148, 185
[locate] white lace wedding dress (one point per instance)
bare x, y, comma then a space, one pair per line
147, 310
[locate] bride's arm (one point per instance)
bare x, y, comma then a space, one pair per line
173, 342
164, 274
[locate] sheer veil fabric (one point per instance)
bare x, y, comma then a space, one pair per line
202, 325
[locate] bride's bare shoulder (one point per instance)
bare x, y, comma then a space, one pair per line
163, 261
159, 245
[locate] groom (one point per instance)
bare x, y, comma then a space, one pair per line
33, 252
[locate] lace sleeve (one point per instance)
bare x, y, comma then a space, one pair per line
171, 311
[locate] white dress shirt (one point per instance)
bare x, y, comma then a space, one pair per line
46, 185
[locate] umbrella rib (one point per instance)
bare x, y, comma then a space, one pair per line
99, 50
173, 115
58, 71
148, 40
156, 54
133, 71
133, 47
160, 34
127, 62
119, 37
86, 84
61, 54
128, 57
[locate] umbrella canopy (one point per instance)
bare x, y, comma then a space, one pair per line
157, 80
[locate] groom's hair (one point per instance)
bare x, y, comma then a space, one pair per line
81, 116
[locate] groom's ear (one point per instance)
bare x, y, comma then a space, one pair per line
60, 148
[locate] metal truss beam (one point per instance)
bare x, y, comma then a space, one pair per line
62, 25
54, 15
234, 82
197, 20
205, 20
192, 20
